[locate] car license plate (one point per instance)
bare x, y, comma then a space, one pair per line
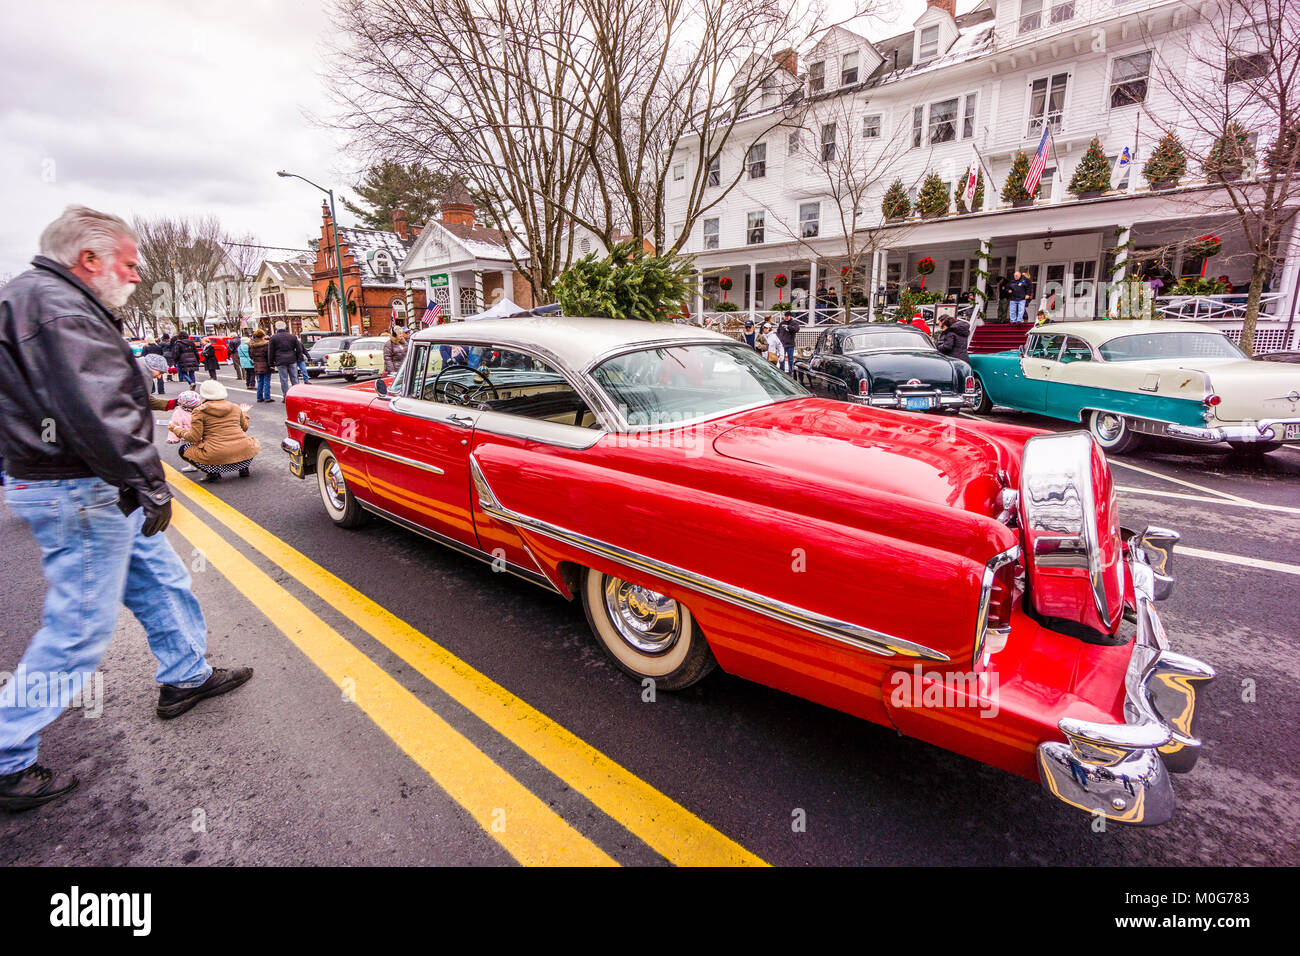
1293, 432
919, 404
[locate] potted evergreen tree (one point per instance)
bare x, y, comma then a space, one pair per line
1092, 176
959, 193
1229, 155
1013, 191
933, 199
896, 205
1167, 163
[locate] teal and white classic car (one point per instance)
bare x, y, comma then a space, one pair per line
1128, 379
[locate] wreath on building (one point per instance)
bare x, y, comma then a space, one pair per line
924, 268
1205, 246
781, 281
725, 285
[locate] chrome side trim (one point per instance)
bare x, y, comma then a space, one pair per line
854, 635
1121, 771
433, 469
539, 579
982, 630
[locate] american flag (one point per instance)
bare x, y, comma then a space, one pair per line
1039, 163
432, 313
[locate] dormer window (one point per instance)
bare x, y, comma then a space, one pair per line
929, 45
849, 69
383, 263
817, 77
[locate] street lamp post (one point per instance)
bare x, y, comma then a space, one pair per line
338, 259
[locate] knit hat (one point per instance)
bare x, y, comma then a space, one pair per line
155, 363
212, 390
189, 400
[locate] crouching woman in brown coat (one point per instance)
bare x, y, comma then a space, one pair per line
217, 441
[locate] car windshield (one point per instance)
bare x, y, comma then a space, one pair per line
368, 345
691, 382
881, 341
335, 343
1169, 345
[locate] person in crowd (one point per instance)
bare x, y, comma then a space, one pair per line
232, 352
750, 334
786, 331
217, 440
286, 352
1043, 317
775, 351
259, 354
186, 403
166, 343
185, 356
158, 384
210, 358
953, 338
1004, 303
394, 352
246, 361
1019, 291
77, 434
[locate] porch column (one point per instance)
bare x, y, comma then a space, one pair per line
982, 282
884, 271
1123, 236
508, 285
812, 290
453, 289
753, 288
478, 290
698, 312
410, 304
872, 283
1288, 283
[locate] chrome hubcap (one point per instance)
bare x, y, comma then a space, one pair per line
1109, 427
647, 620
334, 487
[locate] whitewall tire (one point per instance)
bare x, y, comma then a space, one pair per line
1112, 432
341, 505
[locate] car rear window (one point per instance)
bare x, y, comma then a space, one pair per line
1169, 345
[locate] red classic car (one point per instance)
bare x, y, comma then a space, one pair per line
964, 582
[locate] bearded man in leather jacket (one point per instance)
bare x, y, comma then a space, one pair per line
76, 434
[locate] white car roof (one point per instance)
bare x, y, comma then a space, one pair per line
577, 342
1099, 331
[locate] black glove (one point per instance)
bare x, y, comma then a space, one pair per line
156, 517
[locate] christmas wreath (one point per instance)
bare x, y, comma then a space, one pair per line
725, 285
1205, 246
780, 282
925, 266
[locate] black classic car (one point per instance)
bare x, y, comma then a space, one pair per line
319, 351
886, 365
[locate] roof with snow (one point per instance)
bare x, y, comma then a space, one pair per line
290, 273
366, 246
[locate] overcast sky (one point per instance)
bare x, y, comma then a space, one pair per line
149, 107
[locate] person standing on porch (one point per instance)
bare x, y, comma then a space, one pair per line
786, 333
1018, 293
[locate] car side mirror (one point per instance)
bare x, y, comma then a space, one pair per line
381, 388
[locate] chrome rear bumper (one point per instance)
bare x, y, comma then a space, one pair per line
1121, 771
1266, 431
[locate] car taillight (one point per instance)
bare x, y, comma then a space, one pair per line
862, 387
1212, 399
970, 383
1001, 596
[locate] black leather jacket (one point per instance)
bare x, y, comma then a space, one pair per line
73, 401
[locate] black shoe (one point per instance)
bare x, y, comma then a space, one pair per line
32, 787
211, 477
243, 473
174, 701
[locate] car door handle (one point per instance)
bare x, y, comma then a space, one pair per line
461, 421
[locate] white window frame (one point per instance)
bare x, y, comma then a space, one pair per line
1110, 88
713, 175
1035, 130
815, 220
817, 76
1031, 15
918, 126
756, 221
956, 119
710, 240
845, 69
794, 142
969, 111
922, 43
827, 149
756, 161
872, 130
1062, 11
679, 172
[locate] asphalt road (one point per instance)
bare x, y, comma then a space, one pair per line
401, 766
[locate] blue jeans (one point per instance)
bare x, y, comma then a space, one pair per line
186, 376
95, 560
302, 371
264, 387
288, 376
1017, 310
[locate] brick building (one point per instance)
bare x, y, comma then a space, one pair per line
373, 292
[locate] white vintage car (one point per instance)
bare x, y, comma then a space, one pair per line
1126, 379
368, 354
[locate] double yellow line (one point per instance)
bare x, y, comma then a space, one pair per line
507, 811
